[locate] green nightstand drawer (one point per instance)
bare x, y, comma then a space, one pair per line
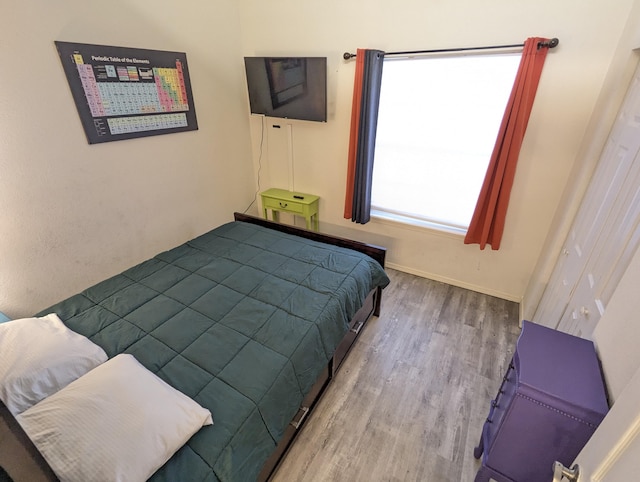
282, 205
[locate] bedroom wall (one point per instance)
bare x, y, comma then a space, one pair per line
571, 83
71, 213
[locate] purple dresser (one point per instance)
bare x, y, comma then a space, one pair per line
551, 400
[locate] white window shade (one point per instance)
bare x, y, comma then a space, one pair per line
437, 126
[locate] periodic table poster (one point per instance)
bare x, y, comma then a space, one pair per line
122, 93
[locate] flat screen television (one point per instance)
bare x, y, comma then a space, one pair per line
288, 87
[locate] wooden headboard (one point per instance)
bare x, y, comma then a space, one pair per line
18, 456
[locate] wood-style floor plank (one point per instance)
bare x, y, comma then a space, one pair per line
409, 402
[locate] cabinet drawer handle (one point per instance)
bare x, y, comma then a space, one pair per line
356, 329
283, 205
305, 412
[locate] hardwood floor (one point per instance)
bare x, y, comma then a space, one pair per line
409, 402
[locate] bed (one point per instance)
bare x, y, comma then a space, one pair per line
251, 320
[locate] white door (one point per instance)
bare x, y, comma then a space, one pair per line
613, 452
604, 234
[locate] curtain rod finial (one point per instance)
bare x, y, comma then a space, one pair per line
551, 43
348, 56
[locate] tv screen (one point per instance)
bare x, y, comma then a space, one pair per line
289, 87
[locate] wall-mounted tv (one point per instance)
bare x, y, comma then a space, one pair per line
288, 87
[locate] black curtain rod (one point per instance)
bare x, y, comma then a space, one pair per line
551, 44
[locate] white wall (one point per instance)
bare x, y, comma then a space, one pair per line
72, 214
571, 83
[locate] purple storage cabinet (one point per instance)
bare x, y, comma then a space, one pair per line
550, 402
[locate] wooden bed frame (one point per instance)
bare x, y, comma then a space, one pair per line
22, 461
371, 307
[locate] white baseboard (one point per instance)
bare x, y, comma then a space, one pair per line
459, 284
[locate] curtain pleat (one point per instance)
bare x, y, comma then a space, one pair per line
353, 132
362, 139
487, 223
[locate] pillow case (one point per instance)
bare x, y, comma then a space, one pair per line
119, 422
38, 357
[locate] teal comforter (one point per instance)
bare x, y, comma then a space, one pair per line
242, 319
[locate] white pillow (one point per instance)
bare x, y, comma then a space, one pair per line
38, 357
119, 422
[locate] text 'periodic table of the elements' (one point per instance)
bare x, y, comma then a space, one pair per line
122, 93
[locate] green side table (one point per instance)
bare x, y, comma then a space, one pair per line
296, 203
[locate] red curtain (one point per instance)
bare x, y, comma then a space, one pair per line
353, 133
487, 223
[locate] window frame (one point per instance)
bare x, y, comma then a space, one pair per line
434, 223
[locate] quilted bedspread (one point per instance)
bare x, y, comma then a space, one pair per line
243, 319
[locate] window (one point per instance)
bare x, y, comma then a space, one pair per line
437, 126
